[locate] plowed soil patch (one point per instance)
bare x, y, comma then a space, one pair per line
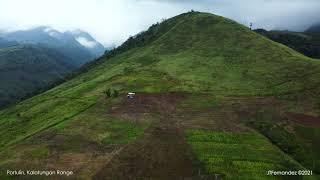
162, 152
303, 119
145, 104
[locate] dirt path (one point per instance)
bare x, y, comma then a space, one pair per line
162, 153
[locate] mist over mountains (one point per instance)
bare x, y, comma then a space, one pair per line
314, 29
78, 45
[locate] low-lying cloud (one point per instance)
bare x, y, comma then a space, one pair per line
111, 22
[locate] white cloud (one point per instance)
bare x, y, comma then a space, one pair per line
86, 43
48, 29
112, 21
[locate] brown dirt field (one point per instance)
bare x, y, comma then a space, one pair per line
303, 119
252, 104
145, 104
162, 153
217, 119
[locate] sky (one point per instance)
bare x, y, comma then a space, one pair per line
111, 22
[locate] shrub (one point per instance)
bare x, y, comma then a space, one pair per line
111, 92
115, 93
107, 92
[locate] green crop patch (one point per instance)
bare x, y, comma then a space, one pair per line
247, 155
311, 138
201, 101
97, 126
122, 132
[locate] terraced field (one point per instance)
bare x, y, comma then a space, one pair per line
153, 136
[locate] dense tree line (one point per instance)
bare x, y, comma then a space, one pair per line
306, 43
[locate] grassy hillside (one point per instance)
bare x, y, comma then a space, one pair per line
225, 77
25, 69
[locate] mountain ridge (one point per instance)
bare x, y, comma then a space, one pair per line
313, 29
28, 68
303, 42
65, 42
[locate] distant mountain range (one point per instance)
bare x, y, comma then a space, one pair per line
307, 43
31, 60
5, 43
314, 29
78, 45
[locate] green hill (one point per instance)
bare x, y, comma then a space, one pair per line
25, 69
213, 98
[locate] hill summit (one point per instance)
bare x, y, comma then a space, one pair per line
204, 52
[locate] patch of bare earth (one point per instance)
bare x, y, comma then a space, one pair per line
303, 119
146, 104
162, 153
217, 119
84, 161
